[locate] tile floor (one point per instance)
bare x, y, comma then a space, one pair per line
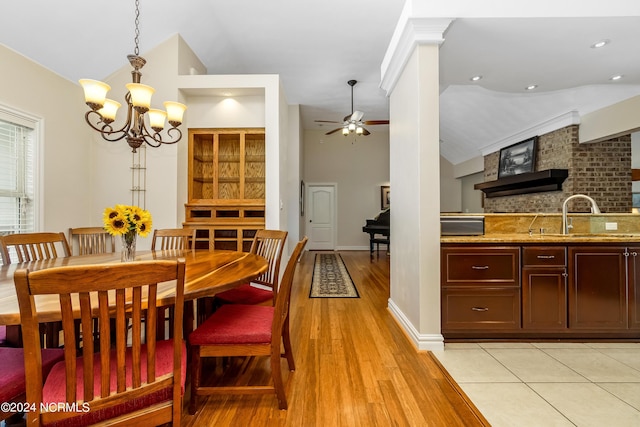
549, 384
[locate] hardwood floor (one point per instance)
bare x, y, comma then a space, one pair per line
354, 366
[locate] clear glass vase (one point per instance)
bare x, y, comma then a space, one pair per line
129, 246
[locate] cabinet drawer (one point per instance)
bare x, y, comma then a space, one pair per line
480, 266
480, 309
544, 256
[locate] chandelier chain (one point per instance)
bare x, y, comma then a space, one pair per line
137, 33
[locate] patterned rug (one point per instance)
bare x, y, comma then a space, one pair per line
331, 278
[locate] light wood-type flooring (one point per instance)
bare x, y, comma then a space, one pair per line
354, 366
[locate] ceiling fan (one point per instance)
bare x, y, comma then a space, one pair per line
353, 122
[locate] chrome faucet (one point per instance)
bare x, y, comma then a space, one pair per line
594, 209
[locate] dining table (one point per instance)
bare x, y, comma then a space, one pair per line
207, 272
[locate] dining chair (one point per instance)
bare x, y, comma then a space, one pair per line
247, 330
33, 247
13, 379
172, 239
91, 240
270, 245
138, 381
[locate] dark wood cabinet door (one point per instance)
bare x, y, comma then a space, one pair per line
597, 288
544, 298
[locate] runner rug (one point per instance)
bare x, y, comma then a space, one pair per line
331, 278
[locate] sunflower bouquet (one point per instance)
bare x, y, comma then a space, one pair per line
127, 221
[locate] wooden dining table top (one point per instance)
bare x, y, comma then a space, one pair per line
206, 274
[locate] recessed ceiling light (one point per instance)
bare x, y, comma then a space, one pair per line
600, 44
531, 87
475, 78
616, 77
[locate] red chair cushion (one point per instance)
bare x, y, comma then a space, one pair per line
245, 294
54, 388
12, 376
235, 324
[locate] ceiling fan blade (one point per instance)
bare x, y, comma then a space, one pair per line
365, 132
333, 131
357, 116
376, 122
326, 121
347, 118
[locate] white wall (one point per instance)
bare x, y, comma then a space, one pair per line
359, 166
65, 169
450, 188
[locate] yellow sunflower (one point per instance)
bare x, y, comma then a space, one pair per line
125, 219
117, 225
144, 226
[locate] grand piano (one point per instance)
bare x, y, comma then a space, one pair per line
379, 230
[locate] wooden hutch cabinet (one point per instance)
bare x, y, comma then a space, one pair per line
226, 181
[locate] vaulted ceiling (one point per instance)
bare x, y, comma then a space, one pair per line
316, 47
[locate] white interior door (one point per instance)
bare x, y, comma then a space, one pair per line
321, 227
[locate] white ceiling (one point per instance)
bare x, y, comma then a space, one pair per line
317, 46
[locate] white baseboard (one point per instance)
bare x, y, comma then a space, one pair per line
421, 341
352, 248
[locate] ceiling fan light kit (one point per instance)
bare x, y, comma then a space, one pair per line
353, 123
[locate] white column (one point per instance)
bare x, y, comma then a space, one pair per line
411, 78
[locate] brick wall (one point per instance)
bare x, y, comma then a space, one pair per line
601, 170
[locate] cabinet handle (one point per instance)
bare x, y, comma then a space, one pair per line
479, 309
479, 267
546, 256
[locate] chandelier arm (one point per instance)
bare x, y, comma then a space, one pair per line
154, 139
106, 130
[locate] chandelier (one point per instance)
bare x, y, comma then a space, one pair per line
138, 98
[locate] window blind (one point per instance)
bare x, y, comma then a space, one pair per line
17, 210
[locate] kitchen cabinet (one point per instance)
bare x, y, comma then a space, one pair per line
226, 187
544, 287
481, 288
540, 291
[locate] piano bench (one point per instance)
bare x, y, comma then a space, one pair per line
379, 241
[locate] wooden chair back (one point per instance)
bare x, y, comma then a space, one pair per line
280, 326
91, 240
270, 245
124, 291
33, 246
173, 239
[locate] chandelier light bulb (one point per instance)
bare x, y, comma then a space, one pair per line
175, 112
140, 96
109, 110
95, 93
345, 131
352, 127
156, 119
359, 130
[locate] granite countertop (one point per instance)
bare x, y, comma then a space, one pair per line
545, 238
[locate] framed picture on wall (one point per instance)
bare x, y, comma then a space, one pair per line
385, 200
518, 158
